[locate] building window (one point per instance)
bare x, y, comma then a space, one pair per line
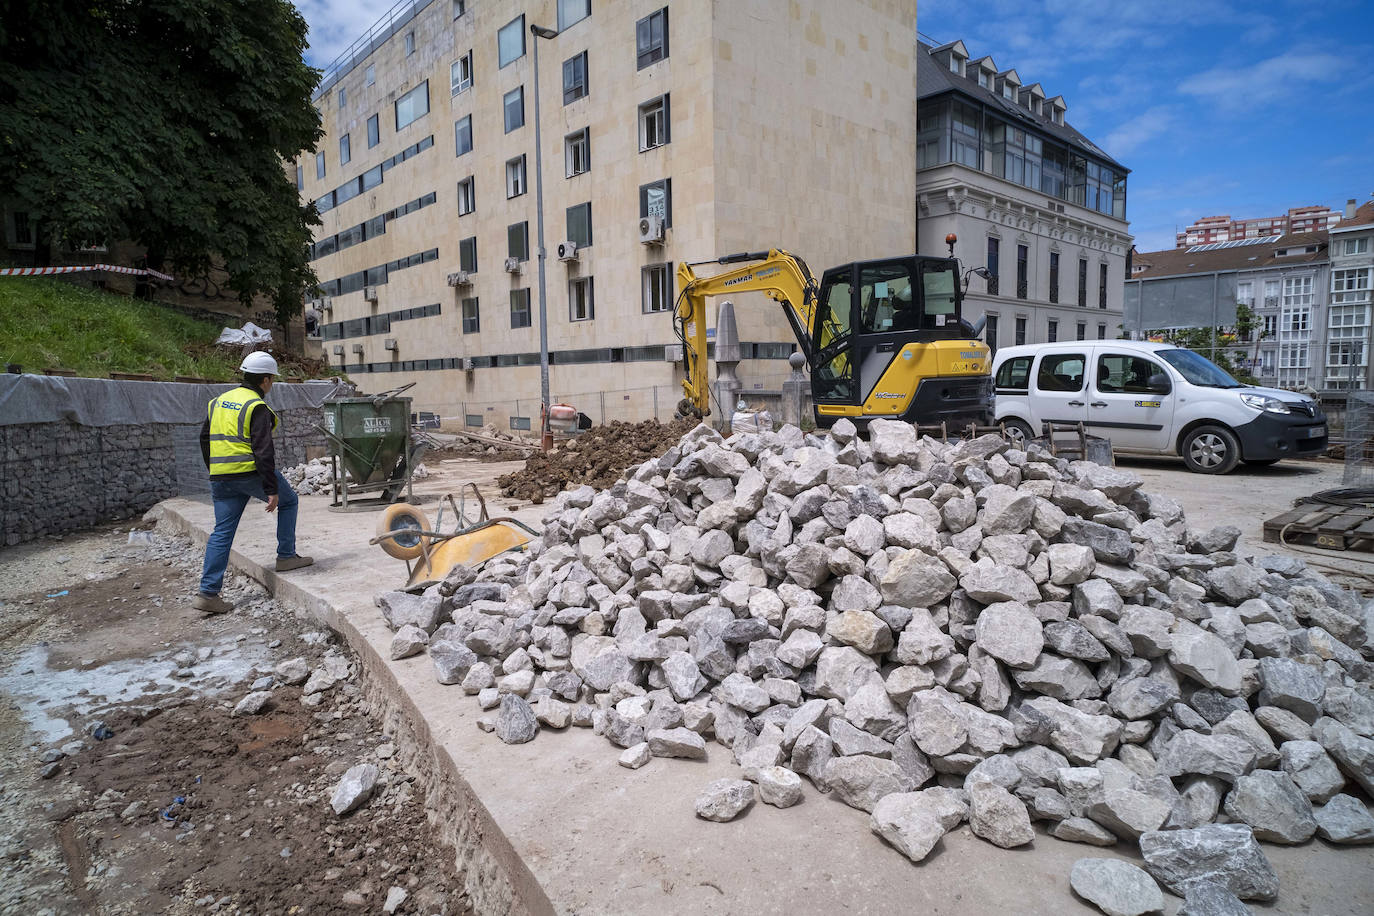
1054, 276
410, 43
580, 225
1102, 286
518, 241
1355, 246
1245, 293
577, 152
651, 38
460, 74
657, 294
510, 41
319, 165
990, 335
462, 135
580, 302
459, 8
1351, 286
1101, 331
343, 97
1082, 284
345, 149
467, 254
1082, 330
300, 178
572, 11
467, 196
520, 308
1052, 331
656, 199
472, 322
515, 176
514, 104
1022, 267
653, 123
370, 77
374, 131
574, 78
994, 246
1020, 331
414, 104
1271, 325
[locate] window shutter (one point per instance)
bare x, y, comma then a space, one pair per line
667, 118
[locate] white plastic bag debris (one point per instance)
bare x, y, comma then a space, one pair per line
248, 334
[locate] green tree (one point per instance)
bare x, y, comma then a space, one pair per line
1222, 345
165, 122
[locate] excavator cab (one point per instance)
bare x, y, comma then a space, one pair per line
889, 339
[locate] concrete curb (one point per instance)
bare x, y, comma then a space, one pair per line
496, 878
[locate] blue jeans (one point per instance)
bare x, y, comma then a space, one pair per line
231, 498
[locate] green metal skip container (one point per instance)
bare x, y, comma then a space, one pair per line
369, 438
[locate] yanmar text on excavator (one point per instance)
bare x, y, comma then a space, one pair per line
884, 338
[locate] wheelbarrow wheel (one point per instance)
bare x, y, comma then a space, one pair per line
403, 517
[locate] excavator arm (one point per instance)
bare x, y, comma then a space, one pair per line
780, 276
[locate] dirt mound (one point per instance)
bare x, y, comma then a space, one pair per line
597, 457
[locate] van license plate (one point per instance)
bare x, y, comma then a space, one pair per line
1316, 432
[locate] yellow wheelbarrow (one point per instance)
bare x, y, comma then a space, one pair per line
404, 532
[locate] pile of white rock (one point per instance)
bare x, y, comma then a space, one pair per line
317, 476
933, 633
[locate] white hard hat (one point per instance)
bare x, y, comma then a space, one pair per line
259, 362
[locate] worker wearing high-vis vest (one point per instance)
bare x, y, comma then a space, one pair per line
236, 442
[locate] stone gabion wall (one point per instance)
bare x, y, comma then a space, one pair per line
60, 477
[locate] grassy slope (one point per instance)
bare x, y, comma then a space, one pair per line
51, 324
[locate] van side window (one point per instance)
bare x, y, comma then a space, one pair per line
1061, 372
1015, 373
1128, 374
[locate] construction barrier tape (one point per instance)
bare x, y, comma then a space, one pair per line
110, 268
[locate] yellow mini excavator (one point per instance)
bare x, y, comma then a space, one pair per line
883, 338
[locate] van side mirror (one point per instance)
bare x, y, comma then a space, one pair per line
1159, 384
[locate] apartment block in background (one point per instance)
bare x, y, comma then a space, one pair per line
671, 132
1031, 200
1209, 229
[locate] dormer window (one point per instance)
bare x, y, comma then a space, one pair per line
1008, 92
984, 79
1035, 105
956, 64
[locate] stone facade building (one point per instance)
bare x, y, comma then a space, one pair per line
668, 133
1031, 200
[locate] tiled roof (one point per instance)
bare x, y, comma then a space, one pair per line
1175, 261
1364, 216
932, 79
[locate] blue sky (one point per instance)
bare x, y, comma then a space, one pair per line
1240, 108
1216, 107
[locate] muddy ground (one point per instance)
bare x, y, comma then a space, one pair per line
156, 798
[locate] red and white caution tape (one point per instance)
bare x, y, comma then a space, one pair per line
109, 268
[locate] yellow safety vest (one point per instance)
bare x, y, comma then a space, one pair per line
231, 449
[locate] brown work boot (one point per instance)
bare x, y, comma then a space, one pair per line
211, 604
286, 564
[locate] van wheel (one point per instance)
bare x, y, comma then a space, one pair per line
407, 522
1018, 432
1211, 450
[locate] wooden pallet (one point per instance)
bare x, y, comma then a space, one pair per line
1322, 525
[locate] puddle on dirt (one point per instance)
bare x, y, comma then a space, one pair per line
46, 696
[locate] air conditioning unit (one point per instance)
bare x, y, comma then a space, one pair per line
672, 353
466, 363
370, 293
459, 278
651, 230
327, 304
512, 265
358, 349
390, 344
567, 251
338, 350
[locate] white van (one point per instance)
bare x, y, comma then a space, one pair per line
1152, 398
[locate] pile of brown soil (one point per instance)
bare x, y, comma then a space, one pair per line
597, 457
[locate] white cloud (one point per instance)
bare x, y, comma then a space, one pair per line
1139, 130
334, 25
1262, 83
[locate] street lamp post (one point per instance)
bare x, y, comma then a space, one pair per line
544, 436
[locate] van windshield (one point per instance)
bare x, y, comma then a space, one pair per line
1198, 369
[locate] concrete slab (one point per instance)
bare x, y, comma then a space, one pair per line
557, 826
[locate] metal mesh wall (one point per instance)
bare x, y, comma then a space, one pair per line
1359, 440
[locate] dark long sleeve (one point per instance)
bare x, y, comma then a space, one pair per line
205, 442
264, 451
